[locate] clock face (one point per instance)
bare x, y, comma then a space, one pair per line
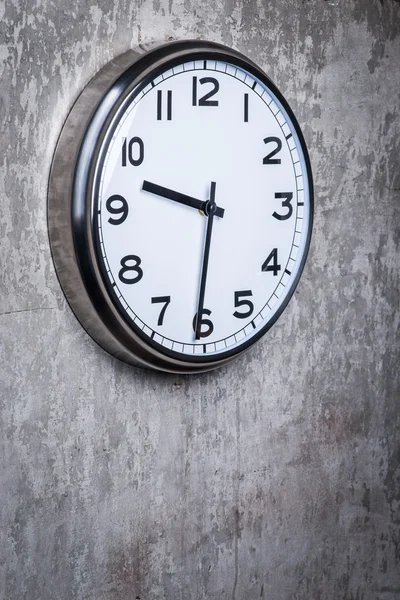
201, 208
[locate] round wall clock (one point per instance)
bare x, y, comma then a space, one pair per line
180, 206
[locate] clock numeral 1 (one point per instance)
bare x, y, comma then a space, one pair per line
162, 300
240, 302
246, 108
205, 101
159, 105
117, 205
135, 155
288, 197
268, 160
197, 326
272, 258
126, 268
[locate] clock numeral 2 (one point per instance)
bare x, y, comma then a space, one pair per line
117, 205
272, 258
198, 323
268, 160
162, 300
204, 101
126, 268
134, 155
288, 197
240, 302
169, 105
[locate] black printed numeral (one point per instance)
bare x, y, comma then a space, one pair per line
197, 326
205, 100
132, 151
268, 160
130, 268
161, 300
160, 105
286, 203
117, 205
240, 302
271, 263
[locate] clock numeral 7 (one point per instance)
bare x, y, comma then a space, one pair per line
204, 101
162, 300
240, 302
135, 155
273, 259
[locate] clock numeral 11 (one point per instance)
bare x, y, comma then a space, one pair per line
160, 102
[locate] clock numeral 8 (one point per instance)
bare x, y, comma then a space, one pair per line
200, 322
126, 268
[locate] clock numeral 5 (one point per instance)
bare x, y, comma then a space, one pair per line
285, 204
134, 155
163, 300
207, 322
268, 160
117, 205
272, 258
126, 268
239, 302
204, 101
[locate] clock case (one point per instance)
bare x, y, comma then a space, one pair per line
71, 222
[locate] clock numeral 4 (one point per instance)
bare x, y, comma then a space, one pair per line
132, 151
268, 160
198, 324
117, 205
288, 197
273, 259
240, 302
205, 100
161, 300
159, 105
130, 268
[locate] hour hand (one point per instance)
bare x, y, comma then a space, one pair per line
164, 192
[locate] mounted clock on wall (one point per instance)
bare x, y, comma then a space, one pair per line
180, 206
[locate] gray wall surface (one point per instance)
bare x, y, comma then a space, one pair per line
276, 477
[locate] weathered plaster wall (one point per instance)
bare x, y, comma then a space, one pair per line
276, 477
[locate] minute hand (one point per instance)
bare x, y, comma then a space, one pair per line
164, 192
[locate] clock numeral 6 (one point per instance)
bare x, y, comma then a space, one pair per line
285, 204
117, 205
162, 300
240, 302
272, 258
205, 101
200, 322
135, 155
268, 160
126, 268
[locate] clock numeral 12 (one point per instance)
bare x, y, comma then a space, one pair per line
134, 155
205, 101
169, 105
272, 258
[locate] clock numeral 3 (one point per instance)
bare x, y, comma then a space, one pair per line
204, 101
169, 105
134, 155
272, 258
126, 268
113, 208
162, 300
268, 160
240, 302
285, 204
201, 322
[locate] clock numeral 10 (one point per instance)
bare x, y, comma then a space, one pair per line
205, 100
132, 151
273, 259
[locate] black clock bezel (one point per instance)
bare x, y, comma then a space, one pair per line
140, 348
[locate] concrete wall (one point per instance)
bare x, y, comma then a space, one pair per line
276, 477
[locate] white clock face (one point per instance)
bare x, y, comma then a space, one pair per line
202, 209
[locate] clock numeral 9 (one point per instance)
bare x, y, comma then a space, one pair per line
134, 155
240, 302
272, 258
204, 101
268, 160
285, 204
200, 322
126, 268
117, 205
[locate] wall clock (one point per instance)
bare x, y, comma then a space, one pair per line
180, 206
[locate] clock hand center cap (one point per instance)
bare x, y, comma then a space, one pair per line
210, 208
